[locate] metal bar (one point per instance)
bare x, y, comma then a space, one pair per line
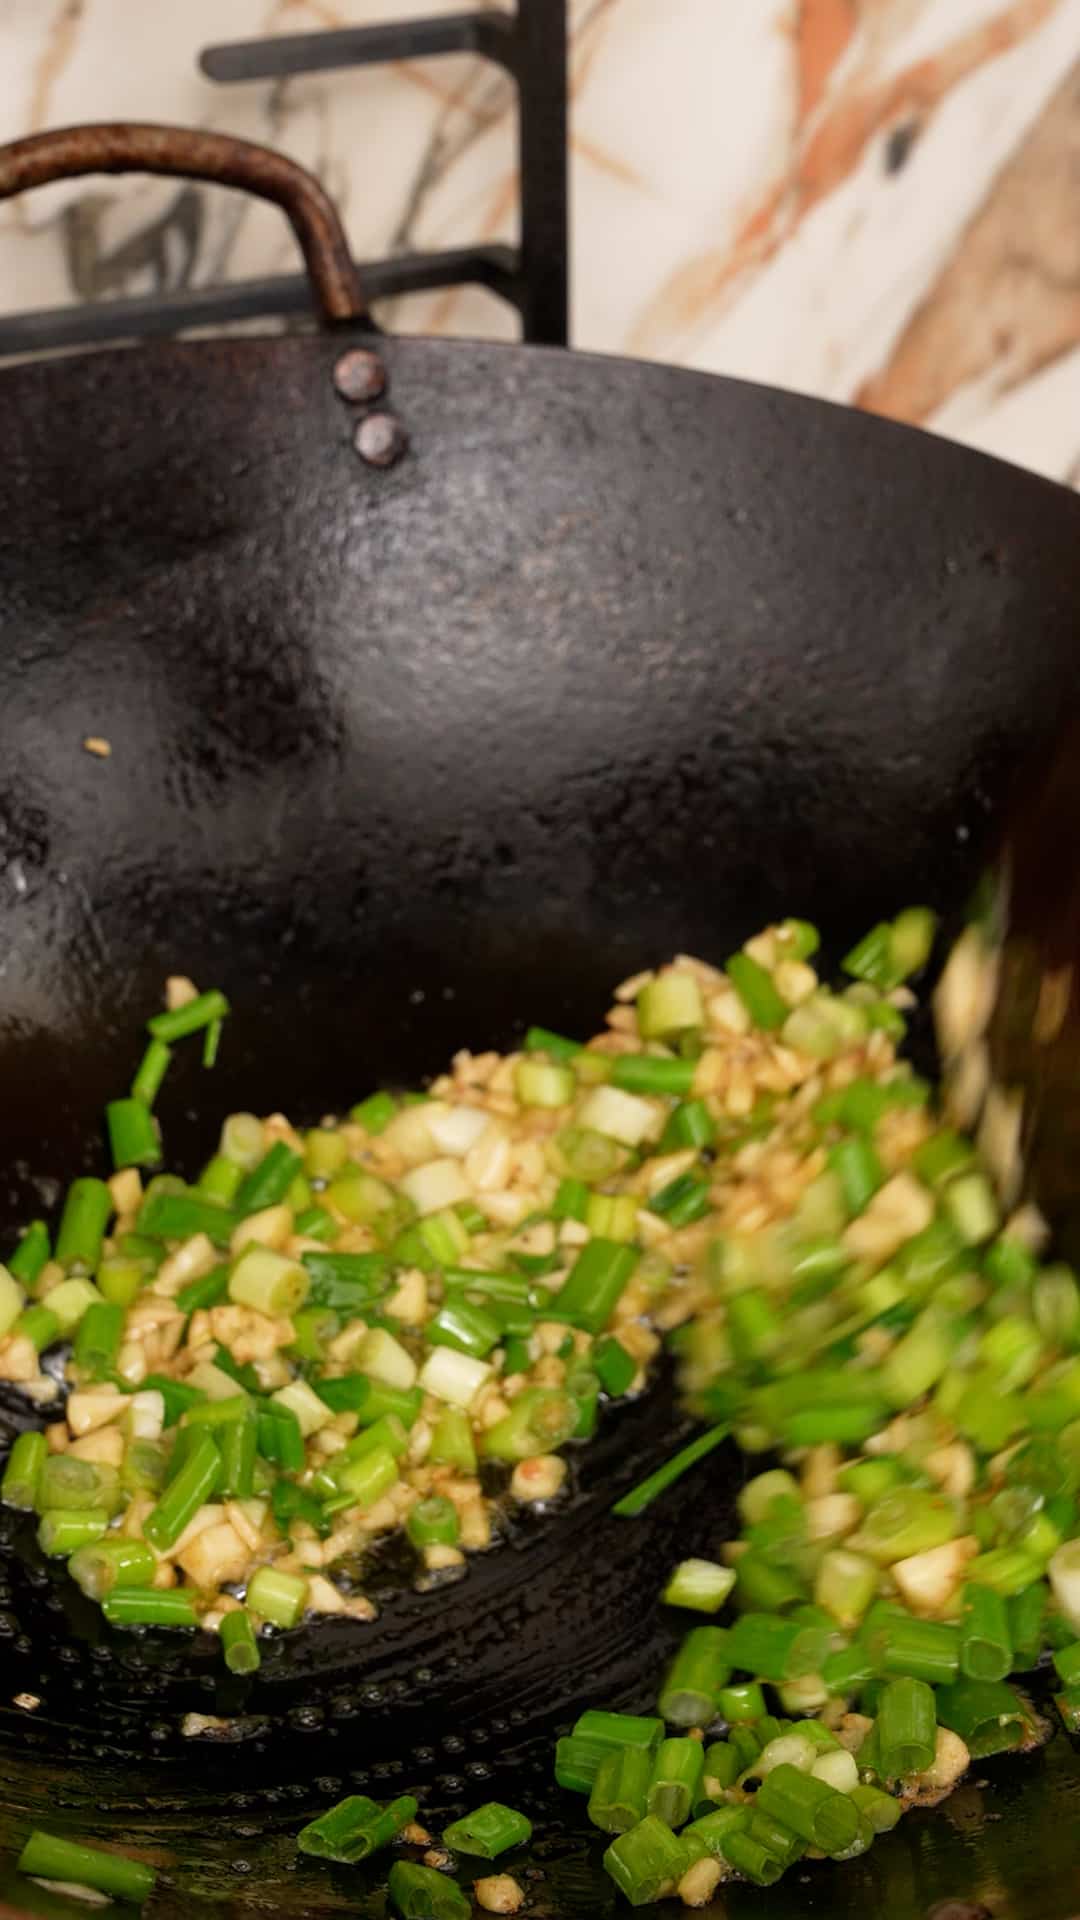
495, 267
541, 32
531, 44
489, 34
197, 153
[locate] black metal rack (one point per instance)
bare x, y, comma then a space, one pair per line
529, 43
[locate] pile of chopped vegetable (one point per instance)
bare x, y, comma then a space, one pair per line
867, 1313
322, 1340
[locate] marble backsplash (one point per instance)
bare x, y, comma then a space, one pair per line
875, 200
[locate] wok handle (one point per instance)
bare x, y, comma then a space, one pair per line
193, 153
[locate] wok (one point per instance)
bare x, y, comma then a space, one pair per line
613, 660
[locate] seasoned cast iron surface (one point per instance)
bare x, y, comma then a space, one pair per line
616, 660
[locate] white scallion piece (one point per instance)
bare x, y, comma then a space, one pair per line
1064, 1575
452, 1376
838, 1770
621, 1116
437, 1184
456, 1129
386, 1359
312, 1413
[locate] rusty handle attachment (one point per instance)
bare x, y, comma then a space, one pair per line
192, 153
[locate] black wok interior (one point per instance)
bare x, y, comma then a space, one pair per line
620, 660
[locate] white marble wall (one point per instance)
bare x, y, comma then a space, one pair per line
877, 200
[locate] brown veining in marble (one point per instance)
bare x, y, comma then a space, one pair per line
823, 32
824, 153
608, 163
59, 46
591, 23
430, 77
1009, 298
479, 103
484, 100
835, 150
58, 49
318, 15
499, 209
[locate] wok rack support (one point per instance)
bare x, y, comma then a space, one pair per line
529, 43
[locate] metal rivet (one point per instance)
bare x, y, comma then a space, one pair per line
359, 375
380, 439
